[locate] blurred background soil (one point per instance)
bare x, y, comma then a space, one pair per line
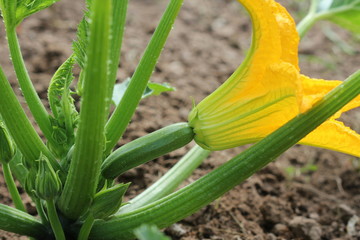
307, 193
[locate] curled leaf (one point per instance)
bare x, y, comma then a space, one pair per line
63, 108
25, 8
152, 89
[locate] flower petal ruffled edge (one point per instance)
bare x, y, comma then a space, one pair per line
334, 135
331, 134
315, 89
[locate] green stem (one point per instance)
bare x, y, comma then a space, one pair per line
127, 106
305, 24
36, 107
40, 210
14, 193
19, 126
313, 5
170, 181
16, 221
308, 21
86, 228
119, 9
84, 169
54, 220
191, 198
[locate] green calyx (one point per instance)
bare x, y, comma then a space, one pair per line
47, 183
30, 182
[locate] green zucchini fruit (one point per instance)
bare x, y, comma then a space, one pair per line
146, 148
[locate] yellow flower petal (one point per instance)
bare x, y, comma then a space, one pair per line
316, 89
336, 136
267, 90
265, 50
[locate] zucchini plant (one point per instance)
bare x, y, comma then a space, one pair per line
70, 174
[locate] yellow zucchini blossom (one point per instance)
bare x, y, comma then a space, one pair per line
267, 90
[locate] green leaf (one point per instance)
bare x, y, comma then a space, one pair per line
345, 13
155, 89
25, 8
152, 89
108, 201
59, 86
80, 45
82, 35
63, 108
149, 232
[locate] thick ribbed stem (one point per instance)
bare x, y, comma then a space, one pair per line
84, 170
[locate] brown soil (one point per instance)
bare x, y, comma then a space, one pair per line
287, 199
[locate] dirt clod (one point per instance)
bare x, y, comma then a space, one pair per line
307, 228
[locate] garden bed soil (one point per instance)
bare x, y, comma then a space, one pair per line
307, 193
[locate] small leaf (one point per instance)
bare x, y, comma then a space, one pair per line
59, 85
25, 8
152, 89
80, 45
345, 13
155, 89
63, 108
149, 232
